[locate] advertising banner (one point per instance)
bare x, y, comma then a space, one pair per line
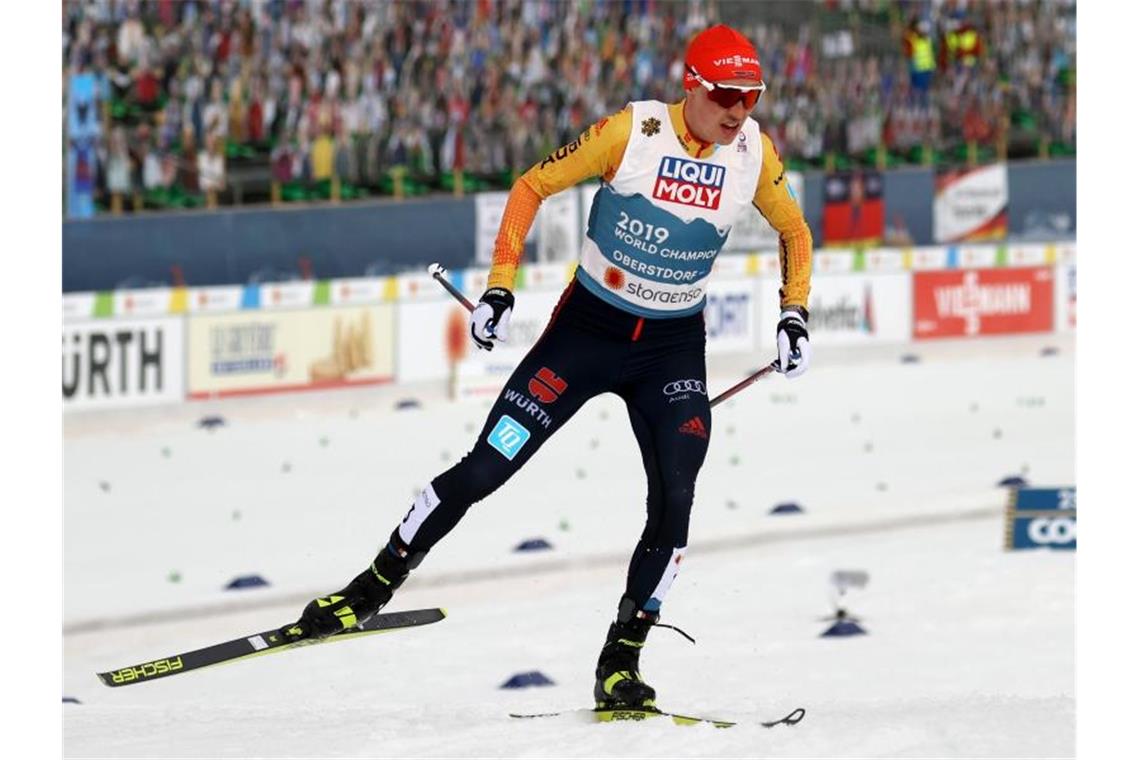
853, 210
959, 303
489, 209
1041, 518
847, 309
78, 306
122, 362
832, 262
430, 337
144, 302
1062, 253
83, 131
287, 295
216, 298
730, 316
559, 230
1065, 319
1027, 255
259, 351
930, 257
356, 291
488, 213
884, 260
545, 276
971, 204
974, 256
768, 265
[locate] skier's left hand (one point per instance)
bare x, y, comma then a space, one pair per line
792, 342
491, 319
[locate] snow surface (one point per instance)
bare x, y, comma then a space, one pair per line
970, 651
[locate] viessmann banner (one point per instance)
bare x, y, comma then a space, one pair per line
266, 351
969, 302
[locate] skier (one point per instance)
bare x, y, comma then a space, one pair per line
674, 178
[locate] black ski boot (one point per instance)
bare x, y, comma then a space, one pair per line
359, 600
619, 684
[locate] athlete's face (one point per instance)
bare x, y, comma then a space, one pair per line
710, 122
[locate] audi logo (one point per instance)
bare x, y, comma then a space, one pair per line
684, 386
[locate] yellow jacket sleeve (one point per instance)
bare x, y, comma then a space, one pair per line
597, 152
776, 201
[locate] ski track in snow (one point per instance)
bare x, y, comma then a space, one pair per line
970, 649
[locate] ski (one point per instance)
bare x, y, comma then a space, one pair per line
266, 642
608, 716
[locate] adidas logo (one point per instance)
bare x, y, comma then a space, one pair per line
695, 427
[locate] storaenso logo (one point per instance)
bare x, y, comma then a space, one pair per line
99, 364
147, 670
638, 290
684, 386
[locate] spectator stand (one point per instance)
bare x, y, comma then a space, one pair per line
208, 103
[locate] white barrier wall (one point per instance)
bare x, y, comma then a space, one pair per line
169, 344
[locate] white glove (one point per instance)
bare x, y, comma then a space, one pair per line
491, 319
792, 342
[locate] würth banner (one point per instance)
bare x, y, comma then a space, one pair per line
968, 302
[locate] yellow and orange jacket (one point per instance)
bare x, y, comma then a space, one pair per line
600, 154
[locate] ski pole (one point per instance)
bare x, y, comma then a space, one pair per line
437, 271
773, 367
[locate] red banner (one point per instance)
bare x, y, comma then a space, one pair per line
967, 302
853, 211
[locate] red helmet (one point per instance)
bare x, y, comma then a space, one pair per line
721, 53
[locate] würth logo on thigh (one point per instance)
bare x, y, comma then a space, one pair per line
546, 386
691, 183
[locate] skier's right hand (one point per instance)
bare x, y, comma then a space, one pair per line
792, 342
491, 318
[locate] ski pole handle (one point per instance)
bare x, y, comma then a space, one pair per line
773, 367
437, 271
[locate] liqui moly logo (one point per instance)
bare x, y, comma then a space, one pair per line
691, 183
